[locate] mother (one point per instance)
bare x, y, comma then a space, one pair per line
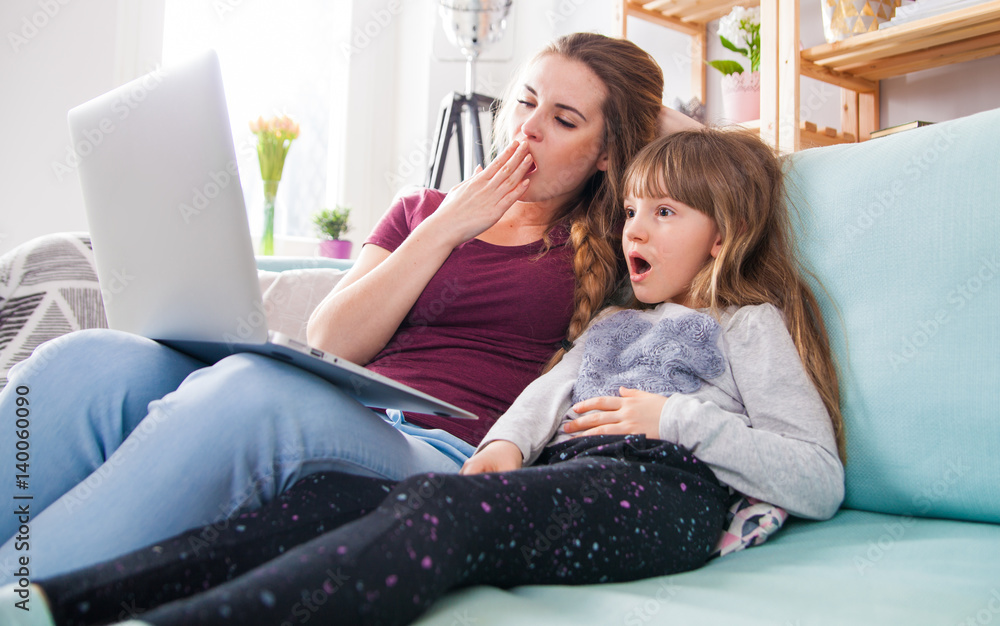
133, 442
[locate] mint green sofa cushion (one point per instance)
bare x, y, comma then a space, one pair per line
859, 568
903, 232
283, 263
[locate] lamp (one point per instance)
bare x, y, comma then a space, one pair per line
471, 25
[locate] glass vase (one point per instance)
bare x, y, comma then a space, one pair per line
267, 239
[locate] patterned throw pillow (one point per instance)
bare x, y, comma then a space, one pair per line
749, 523
48, 287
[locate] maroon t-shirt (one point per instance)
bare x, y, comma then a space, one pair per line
485, 324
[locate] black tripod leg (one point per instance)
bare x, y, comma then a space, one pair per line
456, 113
436, 171
477, 135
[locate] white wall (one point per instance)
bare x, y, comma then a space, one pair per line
66, 61
397, 80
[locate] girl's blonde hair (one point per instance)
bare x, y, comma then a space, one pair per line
737, 180
633, 86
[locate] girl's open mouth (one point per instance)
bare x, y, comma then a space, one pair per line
639, 266
531, 169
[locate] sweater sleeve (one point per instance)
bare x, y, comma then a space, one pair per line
533, 418
788, 455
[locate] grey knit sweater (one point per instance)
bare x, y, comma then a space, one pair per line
739, 399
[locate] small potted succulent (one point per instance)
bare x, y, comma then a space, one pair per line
332, 223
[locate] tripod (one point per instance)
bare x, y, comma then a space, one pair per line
450, 123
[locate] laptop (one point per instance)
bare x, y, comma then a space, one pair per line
170, 233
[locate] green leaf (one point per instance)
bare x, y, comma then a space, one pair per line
727, 67
731, 46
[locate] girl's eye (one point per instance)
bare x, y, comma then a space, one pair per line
664, 212
629, 213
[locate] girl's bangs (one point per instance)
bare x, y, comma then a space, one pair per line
646, 176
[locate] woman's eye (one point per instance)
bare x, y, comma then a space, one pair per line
565, 123
526, 103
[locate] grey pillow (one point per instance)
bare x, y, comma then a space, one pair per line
48, 287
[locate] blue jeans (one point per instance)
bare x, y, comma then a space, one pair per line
132, 442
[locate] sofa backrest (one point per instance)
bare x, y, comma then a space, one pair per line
903, 233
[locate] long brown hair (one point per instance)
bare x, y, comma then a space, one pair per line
737, 180
633, 92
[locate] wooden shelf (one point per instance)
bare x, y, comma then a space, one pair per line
962, 35
811, 135
855, 64
683, 12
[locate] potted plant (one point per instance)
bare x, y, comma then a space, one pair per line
739, 31
332, 223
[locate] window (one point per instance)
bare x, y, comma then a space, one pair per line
276, 58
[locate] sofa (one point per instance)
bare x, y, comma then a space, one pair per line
902, 232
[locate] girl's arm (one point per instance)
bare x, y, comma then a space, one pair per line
361, 314
788, 455
671, 121
532, 420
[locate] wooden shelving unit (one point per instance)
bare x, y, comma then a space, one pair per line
855, 64
690, 17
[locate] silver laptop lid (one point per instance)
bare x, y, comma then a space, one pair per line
165, 208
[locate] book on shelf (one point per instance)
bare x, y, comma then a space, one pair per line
899, 128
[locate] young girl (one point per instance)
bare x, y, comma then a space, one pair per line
720, 375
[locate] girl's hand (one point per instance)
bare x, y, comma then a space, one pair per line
634, 413
476, 204
498, 456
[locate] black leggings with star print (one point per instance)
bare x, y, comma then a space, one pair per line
349, 549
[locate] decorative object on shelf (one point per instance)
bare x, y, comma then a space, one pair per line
741, 96
892, 130
739, 31
331, 225
274, 138
693, 108
846, 18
